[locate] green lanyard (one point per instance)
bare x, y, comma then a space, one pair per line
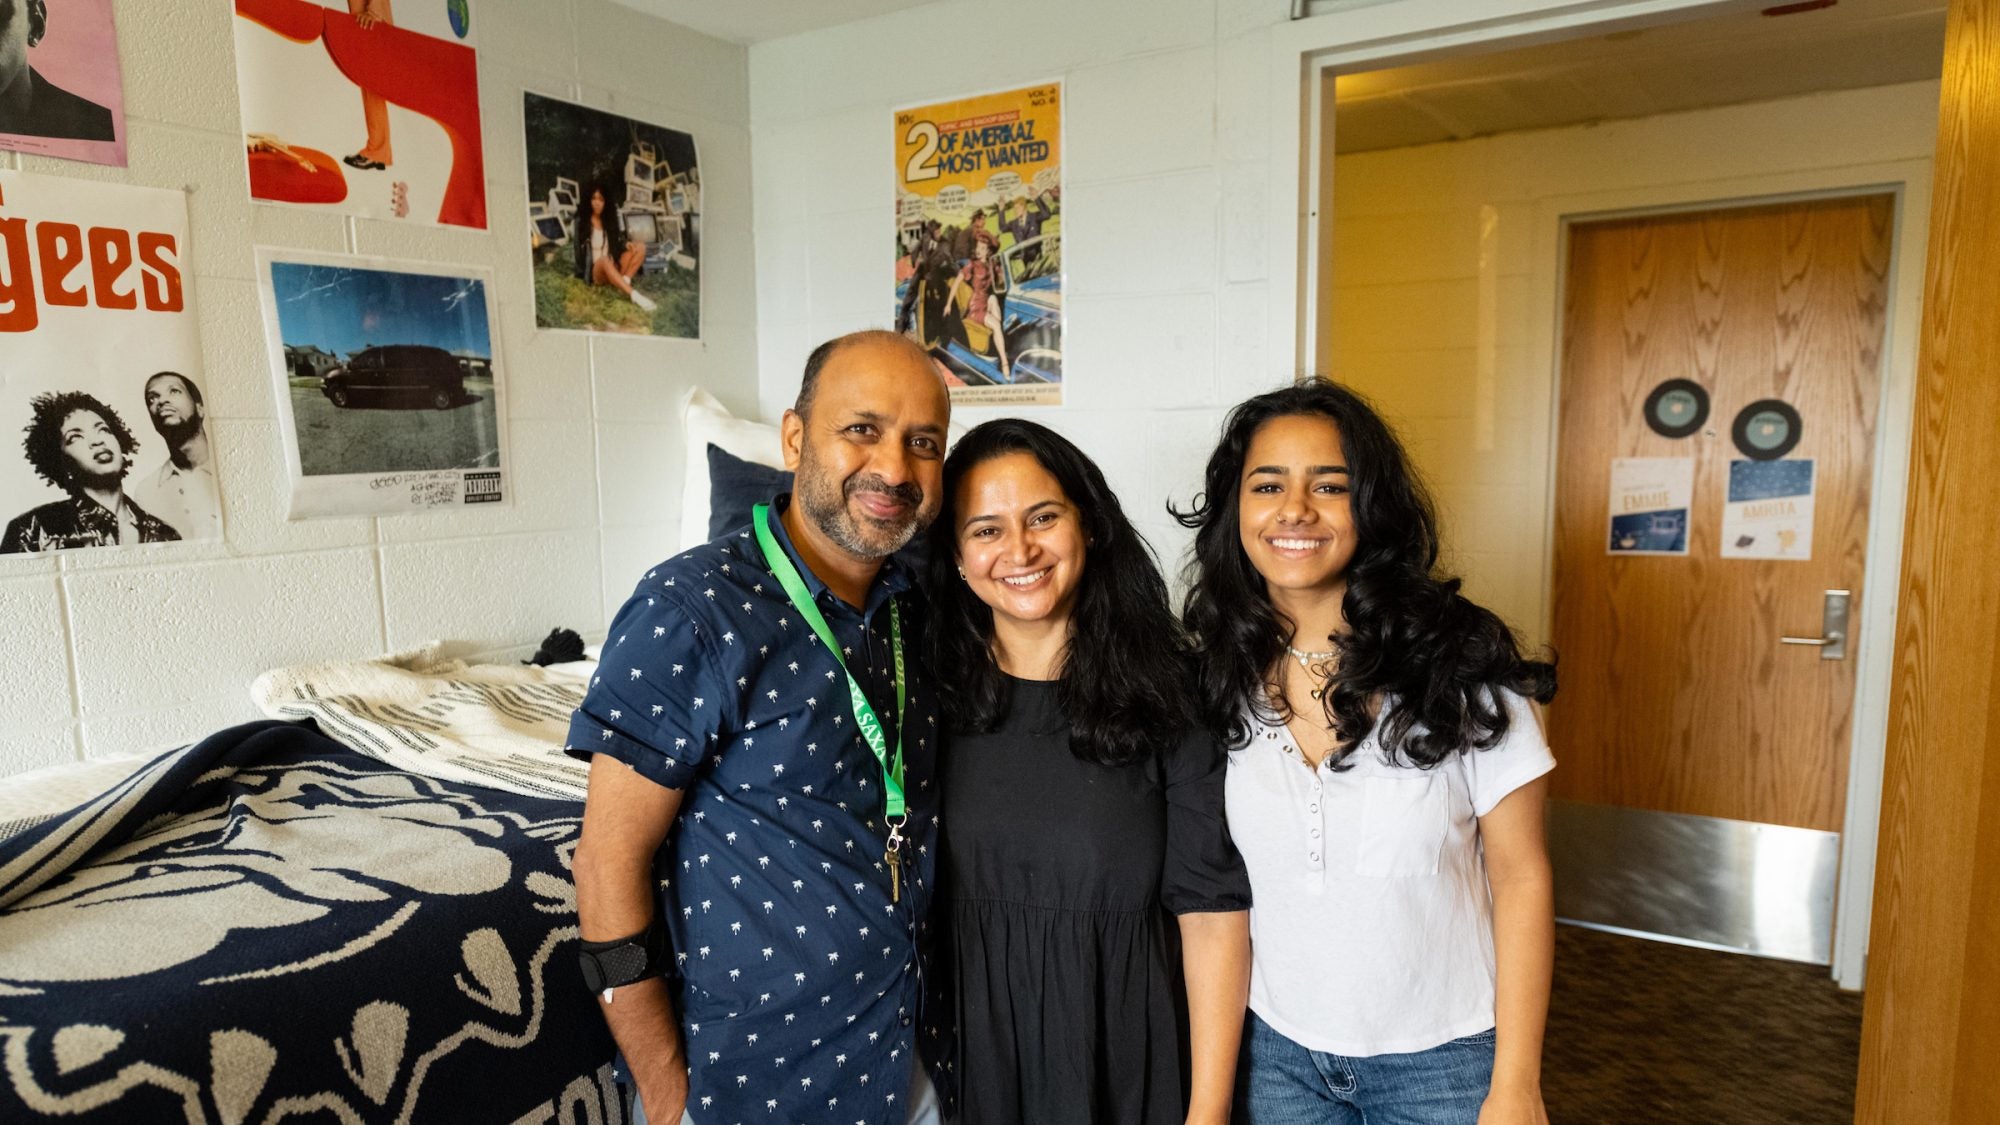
864, 713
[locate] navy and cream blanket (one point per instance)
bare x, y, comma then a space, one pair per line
268, 926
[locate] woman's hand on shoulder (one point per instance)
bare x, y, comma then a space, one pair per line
1513, 1105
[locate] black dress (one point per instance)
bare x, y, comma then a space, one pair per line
1061, 879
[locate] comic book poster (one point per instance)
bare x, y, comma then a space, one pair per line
390, 396
363, 107
59, 71
979, 242
614, 222
101, 404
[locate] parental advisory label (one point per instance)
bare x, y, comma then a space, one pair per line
482, 488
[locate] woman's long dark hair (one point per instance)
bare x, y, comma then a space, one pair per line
614, 229
1412, 640
1125, 677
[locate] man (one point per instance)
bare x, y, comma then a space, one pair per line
723, 727
962, 241
81, 446
182, 490
930, 274
1025, 224
29, 104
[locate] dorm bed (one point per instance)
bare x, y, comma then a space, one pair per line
358, 910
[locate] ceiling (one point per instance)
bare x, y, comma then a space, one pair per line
1725, 60
753, 21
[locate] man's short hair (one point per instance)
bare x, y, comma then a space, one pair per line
809, 383
43, 443
193, 391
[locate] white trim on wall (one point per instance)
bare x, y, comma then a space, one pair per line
1369, 37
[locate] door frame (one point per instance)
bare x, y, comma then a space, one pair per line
1909, 182
1372, 34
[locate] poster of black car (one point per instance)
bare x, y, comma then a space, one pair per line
389, 392
103, 407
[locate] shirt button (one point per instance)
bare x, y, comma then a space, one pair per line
1315, 857
1312, 808
1315, 833
906, 1021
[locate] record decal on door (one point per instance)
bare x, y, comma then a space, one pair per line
1766, 429
1677, 408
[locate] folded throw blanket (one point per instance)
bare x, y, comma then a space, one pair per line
498, 725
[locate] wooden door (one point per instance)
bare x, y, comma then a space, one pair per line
1676, 693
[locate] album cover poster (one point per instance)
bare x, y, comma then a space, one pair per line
104, 439
614, 222
59, 71
979, 242
390, 395
363, 107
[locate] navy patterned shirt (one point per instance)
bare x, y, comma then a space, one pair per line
799, 979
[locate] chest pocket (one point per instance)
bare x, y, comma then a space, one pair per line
1404, 820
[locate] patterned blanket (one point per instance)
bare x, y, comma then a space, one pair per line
268, 926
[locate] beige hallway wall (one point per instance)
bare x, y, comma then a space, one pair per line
1458, 355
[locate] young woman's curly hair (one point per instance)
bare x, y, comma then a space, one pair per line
1413, 644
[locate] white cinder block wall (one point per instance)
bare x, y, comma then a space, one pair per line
114, 652
1406, 289
1164, 180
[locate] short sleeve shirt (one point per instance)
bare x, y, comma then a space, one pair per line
1371, 924
799, 976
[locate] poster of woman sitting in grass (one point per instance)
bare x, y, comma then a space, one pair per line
614, 222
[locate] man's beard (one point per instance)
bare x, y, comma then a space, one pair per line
177, 433
825, 503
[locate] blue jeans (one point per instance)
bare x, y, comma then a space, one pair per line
1282, 1083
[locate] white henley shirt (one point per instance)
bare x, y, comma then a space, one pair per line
1371, 922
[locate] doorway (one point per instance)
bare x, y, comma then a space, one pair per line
1445, 230
1439, 269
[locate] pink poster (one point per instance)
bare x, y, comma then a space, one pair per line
60, 93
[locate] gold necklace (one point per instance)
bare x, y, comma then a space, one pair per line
1305, 665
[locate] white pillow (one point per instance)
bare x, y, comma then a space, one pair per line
707, 422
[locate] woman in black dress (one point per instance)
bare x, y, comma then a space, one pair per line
1096, 912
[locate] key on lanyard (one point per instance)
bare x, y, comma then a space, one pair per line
893, 856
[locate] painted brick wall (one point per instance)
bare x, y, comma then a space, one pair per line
1165, 145
114, 652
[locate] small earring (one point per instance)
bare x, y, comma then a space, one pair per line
961, 574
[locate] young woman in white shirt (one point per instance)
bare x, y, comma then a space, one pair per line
1385, 786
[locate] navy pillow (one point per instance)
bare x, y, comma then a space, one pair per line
735, 486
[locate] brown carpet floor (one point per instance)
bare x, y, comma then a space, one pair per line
1644, 1031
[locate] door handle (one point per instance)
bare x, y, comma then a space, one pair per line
1832, 641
